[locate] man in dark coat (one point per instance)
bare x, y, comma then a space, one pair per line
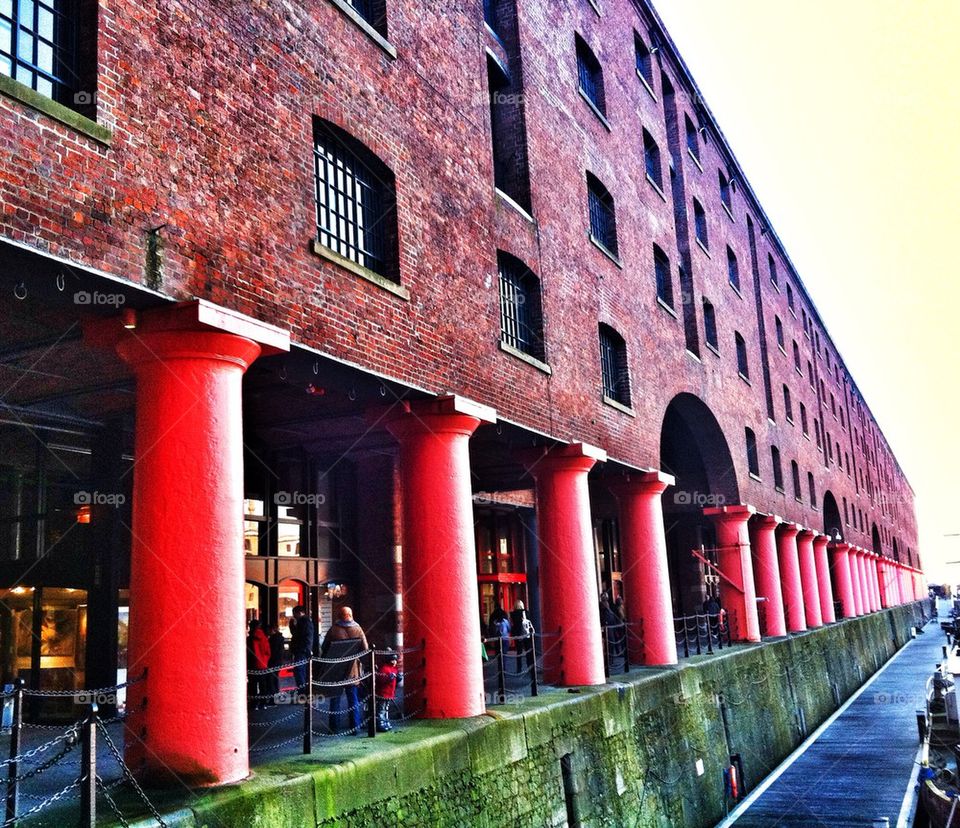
345, 629
521, 629
301, 644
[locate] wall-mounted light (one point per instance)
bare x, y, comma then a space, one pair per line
129, 317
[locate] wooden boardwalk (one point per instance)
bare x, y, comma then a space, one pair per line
858, 769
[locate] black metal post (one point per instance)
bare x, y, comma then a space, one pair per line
372, 724
501, 675
308, 709
88, 770
534, 690
606, 651
696, 626
13, 769
686, 646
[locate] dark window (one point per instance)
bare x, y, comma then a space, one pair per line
742, 366
810, 373
651, 159
693, 140
661, 269
590, 75
787, 403
375, 13
644, 60
490, 15
753, 460
816, 429
846, 512
796, 357
795, 471
773, 269
789, 297
725, 191
603, 219
700, 223
779, 328
356, 201
710, 324
733, 269
812, 486
803, 419
777, 469
613, 366
521, 318
508, 131
40, 47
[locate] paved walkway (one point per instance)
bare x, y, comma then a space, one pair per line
859, 768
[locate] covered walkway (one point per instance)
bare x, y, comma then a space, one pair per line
857, 769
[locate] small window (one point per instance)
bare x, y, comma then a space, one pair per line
816, 429
356, 201
753, 460
490, 16
772, 265
661, 269
590, 76
613, 366
651, 159
789, 297
603, 218
375, 13
779, 328
508, 132
725, 191
833, 405
846, 512
700, 223
812, 487
796, 357
710, 325
777, 469
803, 420
521, 319
742, 365
787, 404
810, 373
693, 140
644, 60
795, 471
733, 269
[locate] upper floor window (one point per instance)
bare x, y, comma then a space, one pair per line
810, 373
521, 318
603, 218
375, 13
742, 365
753, 461
651, 159
777, 468
772, 265
661, 269
733, 269
803, 420
812, 487
644, 60
778, 325
356, 201
796, 357
613, 366
41, 46
725, 191
700, 223
789, 297
787, 403
490, 15
693, 140
508, 131
710, 325
795, 473
590, 76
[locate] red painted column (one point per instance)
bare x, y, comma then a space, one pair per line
188, 720
766, 570
871, 584
897, 584
841, 569
882, 583
568, 578
855, 579
864, 584
646, 575
808, 577
738, 595
875, 581
790, 577
827, 611
439, 553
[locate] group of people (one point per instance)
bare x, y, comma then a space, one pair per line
515, 628
266, 652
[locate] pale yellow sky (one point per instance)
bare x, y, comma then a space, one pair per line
845, 116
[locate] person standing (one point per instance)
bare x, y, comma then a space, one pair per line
258, 656
301, 644
343, 629
521, 628
388, 676
276, 657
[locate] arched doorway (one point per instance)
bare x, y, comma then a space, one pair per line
832, 523
875, 535
694, 450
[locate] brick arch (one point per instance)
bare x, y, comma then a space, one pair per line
832, 521
875, 538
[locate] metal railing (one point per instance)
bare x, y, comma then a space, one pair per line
701, 633
525, 653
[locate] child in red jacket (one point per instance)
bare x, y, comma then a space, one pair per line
388, 676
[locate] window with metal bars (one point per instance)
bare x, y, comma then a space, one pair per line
693, 140
590, 75
651, 159
710, 325
787, 404
373, 12
725, 190
38, 47
644, 59
521, 317
356, 201
603, 219
613, 366
700, 223
661, 270
742, 365
733, 269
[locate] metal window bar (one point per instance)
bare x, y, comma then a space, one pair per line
371, 11
602, 221
608, 366
38, 45
353, 206
517, 311
661, 266
588, 72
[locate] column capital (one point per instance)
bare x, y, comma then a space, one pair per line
651, 483
764, 521
821, 540
563, 456
735, 512
805, 533
449, 414
788, 530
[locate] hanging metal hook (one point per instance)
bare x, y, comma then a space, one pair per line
61, 281
20, 291
383, 390
316, 367
283, 372
352, 394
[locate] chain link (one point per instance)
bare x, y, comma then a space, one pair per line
129, 776
17, 820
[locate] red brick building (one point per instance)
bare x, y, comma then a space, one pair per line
519, 222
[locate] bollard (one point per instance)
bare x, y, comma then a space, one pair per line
13, 769
372, 725
534, 690
88, 768
308, 710
501, 677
